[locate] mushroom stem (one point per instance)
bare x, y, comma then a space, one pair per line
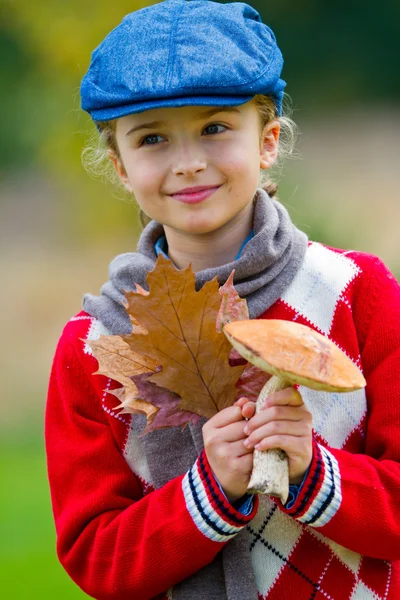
294, 354
270, 473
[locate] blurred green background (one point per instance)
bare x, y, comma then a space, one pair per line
59, 228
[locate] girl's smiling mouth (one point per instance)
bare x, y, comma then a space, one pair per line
194, 195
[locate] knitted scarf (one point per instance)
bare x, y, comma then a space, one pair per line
267, 265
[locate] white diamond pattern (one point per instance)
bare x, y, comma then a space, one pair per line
335, 415
319, 284
272, 538
96, 329
362, 592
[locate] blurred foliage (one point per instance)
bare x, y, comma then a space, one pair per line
338, 56
335, 54
46, 47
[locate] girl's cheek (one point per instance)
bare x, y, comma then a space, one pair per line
227, 154
142, 178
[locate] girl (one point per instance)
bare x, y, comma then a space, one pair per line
188, 97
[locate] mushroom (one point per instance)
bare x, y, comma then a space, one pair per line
293, 354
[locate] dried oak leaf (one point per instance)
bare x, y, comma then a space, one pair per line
233, 307
167, 402
118, 361
183, 338
251, 382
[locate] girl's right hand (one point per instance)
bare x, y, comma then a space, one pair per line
230, 461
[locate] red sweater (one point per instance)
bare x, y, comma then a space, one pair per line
120, 539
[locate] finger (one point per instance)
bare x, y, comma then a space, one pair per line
278, 413
240, 402
293, 446
248, 410
287, 397
274, 428
226, 416
239, 449
232, 432
242, 463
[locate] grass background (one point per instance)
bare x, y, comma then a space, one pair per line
29, 568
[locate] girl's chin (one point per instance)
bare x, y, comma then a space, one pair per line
201, 226
194, 223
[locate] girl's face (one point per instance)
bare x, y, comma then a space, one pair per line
163, 151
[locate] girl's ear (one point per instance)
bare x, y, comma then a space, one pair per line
269, 144
119, 169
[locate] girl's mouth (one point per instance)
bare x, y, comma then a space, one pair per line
195, 197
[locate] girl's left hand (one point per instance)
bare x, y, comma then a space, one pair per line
284, 422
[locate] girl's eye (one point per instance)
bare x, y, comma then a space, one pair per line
149, 140
213, 127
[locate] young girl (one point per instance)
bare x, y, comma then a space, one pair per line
188, 97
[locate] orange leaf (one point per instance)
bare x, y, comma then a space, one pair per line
131, 405
251, 382
183, 338
233, 307
137, 327
117, 361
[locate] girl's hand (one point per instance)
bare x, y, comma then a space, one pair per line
284, 422
229, 459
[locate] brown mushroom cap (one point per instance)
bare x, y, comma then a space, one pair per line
294, 352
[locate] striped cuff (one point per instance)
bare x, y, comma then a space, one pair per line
321, 494
211, 512
244, 504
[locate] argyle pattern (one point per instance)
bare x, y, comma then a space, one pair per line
293, 561
292, 558
281, 561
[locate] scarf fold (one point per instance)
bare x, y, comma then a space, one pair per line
267, 265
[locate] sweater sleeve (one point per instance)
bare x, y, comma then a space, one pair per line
354, 499
114, 542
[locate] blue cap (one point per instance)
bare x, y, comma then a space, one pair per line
183, 52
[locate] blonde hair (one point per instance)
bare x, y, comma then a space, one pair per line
96, 161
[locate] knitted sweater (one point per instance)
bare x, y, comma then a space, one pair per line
119, 538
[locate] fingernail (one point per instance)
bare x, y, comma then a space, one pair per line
246, 430
246, 443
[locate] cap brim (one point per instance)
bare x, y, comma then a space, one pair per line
115, 112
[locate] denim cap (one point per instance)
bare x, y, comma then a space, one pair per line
183, 52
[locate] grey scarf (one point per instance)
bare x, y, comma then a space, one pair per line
267, 265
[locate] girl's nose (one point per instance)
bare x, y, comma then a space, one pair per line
189, 161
